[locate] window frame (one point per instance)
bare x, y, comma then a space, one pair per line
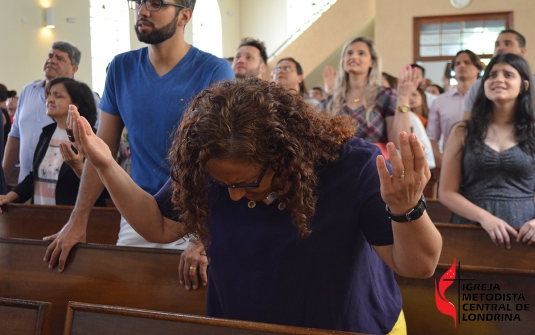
418, 21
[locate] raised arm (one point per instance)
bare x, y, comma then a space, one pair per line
450, 182
91, 187
138, 207
417, 244
408, 82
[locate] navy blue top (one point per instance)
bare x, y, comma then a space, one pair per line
261, 270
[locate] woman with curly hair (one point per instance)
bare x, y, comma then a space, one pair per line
488, 174
288, 203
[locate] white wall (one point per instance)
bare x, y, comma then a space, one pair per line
25, 42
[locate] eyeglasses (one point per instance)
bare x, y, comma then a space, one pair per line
285, 68
256, 184
151, 5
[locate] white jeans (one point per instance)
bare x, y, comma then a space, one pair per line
130, 238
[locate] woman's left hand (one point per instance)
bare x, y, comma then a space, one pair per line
74, 160
402, 190
527, 233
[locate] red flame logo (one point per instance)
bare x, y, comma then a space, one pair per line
444, 306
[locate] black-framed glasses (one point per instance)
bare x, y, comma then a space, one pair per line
256, 184
283, 68
151, 5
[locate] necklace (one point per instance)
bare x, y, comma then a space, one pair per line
271, 197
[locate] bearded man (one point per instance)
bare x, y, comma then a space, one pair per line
147, 90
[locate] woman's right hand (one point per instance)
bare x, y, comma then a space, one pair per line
8, 198
329, 77
95, 150
498, 230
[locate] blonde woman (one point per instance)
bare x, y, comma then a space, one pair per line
380, 112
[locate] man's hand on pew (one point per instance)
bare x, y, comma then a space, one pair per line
527, 233
193, 263
498, 230
62, 243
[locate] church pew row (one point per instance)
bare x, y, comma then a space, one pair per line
481, 262
491, 314
472, 246
91, 319
23, 317
468, 244
110, 275
35, 222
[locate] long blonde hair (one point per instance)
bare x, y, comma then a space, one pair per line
341, 86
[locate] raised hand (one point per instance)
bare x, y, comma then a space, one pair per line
402, 190
408, 82
329, 77
87, 142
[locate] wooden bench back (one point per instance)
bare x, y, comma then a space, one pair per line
472, 246
437, 211
110, 275
423, 317
35, 222
24, 317
90, 319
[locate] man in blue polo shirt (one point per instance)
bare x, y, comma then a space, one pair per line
147, 91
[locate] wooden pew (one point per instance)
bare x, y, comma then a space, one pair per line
90, 319
23, 317
36, 222
422, 316
437, 211
512, 269
472, 246
111, 275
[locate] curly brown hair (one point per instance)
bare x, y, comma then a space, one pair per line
256, 122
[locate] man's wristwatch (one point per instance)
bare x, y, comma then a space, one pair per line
404, 108
412, 215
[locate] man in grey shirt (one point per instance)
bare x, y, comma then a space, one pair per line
508, 42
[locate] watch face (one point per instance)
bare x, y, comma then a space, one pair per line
460, 3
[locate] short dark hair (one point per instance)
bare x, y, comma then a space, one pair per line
11, 94
519, 37
413, 65
473, 58
318, 88
73, 52
3, 93
439, 88
188, 3
81, 96
257, 44
299, 69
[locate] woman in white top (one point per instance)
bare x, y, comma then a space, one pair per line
57, 168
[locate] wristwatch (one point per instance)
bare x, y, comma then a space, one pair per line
412, 215
404, 108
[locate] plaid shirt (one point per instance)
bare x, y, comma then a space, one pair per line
375, 130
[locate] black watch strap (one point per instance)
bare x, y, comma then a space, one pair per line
412, 215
